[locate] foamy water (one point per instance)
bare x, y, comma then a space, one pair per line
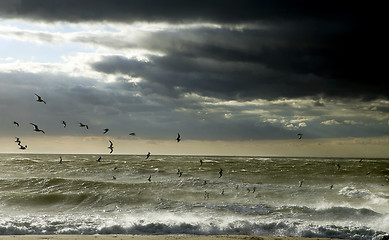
258, 196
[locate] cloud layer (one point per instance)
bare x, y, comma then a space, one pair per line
212, 70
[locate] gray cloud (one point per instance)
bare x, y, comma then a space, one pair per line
307, 48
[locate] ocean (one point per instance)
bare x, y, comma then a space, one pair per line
129, 194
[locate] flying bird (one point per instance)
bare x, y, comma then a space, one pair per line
64, 124
148, 155
301, 182
36, 128
16, 123
149, 178
178, 137
39, 99
99, 159
105, 130
110, 146
84, 125
220, 173
132, 134
179, 173
17, 140
300, 135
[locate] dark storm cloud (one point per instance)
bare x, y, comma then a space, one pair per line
278, 61
293, 48
227, 11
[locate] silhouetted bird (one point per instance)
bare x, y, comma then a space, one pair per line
178, 137
148, 155
36, 128
332, 186
64, 124
84, 125
110, 146
201, 162
39, 99
179, 173
149, 178
60, 160
16, 123
105, 131
17, 140
220, 173
132, 134
338, 166
99, 159
301, 183
300, 135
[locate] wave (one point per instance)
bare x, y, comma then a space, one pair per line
275, 228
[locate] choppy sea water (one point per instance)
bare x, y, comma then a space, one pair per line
338, 197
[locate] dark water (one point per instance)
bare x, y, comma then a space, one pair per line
254, 195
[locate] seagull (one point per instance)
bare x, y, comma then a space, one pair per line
149, 178
132, 134
22, 147
16, 123
99, 159
84, 125
64, 124
17, 140
332, 186
110, 146
105, 130
300, 135
179, 173
148, 155
206, 195
301, 182
36, 128
39, 99
220, 173
60, 160
178, 137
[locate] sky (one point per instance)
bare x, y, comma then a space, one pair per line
232, 77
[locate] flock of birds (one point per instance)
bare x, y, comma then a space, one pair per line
111, 145
82, 125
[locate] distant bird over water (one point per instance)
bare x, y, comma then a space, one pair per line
132, 134
110, 146
84, 125
220, 173
301, 183
148, 155
300, 135
39, 99
60, 160
64, 124
105, 130
17, 140
17, 124
36, 128
178, 137
99, 159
